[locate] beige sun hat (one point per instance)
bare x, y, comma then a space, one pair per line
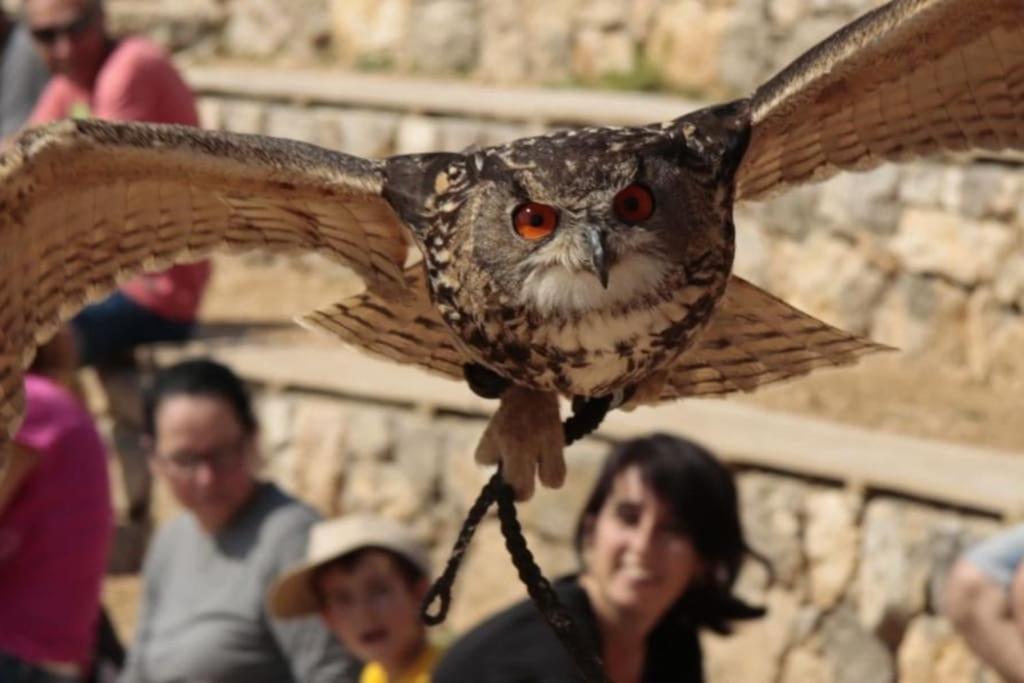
292, 595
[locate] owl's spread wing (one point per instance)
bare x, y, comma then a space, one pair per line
754, 339
85, 204
410, 331
912, 78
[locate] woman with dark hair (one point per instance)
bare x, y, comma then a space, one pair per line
660, 545
203, 615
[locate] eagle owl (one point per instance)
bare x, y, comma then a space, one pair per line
592, 264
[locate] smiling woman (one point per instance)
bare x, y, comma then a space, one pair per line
660, 545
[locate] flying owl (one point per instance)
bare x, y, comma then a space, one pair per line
591, 264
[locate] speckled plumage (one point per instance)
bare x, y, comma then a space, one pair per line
85, 204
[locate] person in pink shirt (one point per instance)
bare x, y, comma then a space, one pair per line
128, 79
56, 528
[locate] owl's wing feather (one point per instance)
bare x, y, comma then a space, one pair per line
910, 79
754, 339
408, 332
85, 204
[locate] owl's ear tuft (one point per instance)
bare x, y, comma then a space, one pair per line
413, 181
716, 137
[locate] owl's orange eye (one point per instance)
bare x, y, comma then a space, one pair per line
633, 204
534, 221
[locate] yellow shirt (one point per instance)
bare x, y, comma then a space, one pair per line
419, 672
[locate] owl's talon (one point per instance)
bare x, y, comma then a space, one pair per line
483, 381
525, 436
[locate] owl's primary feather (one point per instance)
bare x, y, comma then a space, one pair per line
590, 294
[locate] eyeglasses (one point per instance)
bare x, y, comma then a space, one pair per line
48, 35
218, 460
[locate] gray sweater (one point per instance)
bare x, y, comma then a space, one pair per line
204, 617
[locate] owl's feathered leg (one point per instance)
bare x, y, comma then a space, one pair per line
525, 435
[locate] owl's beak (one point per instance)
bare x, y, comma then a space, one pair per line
598, 260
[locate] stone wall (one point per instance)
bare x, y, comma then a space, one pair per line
711, 47
855, 589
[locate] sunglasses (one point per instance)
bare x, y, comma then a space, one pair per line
48, 35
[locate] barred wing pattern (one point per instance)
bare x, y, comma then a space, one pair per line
410, 332
85, 204
912, 78
755, 339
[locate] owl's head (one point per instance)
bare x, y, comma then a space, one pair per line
579, 220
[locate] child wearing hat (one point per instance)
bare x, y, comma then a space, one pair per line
366, 577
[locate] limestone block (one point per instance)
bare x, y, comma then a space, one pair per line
754, 653
754, 251
793, 215
326, 127
445, 37
931, 652
419, 450
368, 435
966, 251
289, 30
366, 133
831, 544
745, 63
293, 123
244, 116
598, 52
805, 665
853, 203
504, 44
553, 513
771, 511
852, 653
685, 42
897, 562
828, 278
550, 29
603, 14
930, 185
314, 465
384, 489
786, 13
1009, 281
211, 113
989, 191
276, 412
369, 32
919, 313
456, 135
417, 134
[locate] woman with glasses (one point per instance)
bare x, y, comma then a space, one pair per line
205, 577
660, 546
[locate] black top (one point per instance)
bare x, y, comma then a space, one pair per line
517, 646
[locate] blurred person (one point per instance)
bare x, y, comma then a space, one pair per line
660, 546
366, 577
205, 577
56, 528
984, 598
22, 76
126, 79
119, 79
